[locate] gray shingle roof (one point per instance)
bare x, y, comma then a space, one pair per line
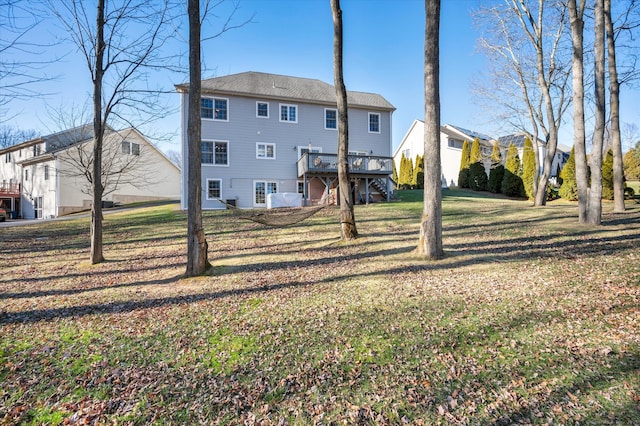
273, 86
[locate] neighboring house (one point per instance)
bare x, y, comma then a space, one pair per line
45, 177
265, 133
451, 140
559, 160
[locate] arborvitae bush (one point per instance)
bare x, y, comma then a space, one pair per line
528, 168
463, 176
607, 176
477, 174
394, 176
569, 188
496, 174
406, 173
418, 173
478, 180
512, 182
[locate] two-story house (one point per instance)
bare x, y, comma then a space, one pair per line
47, 177
265, 133
451, 140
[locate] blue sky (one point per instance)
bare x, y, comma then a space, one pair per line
383, 53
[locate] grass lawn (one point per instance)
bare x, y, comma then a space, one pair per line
530, 319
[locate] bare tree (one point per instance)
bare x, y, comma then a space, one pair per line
524, 39
576, 13
197, 247
120, 47
614, 99
594, 201
430, 243
348, 228
11, 135
21, 64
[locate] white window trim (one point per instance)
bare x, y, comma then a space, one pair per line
214, 153
325, 119
268, 109
288, 106
369, 122
266, 183
265, 151
213, 118
312, 149
207, 189
453, 147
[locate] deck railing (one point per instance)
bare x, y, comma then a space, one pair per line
9, 188
312, 162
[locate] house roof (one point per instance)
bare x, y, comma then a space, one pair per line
469, 134
516, 139
273, 86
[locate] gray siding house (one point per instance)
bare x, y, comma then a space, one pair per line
265, 133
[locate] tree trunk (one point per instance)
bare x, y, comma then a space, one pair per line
594, 207
577, 68
430, 242
614, 100
348, 230
98, 135
197, 262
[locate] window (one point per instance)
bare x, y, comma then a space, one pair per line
215, 152
130, 148
261, 189
214, 109
288, 113
46, 172
262, 109
374, 123
301, 187
452, 143
26, 174
214, 189
37, 207
330, 118
36, 150
308, 148
266, 150
7, 157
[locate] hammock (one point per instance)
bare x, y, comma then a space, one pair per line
278, 217
282, 216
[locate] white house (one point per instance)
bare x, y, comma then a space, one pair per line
559, 160
266, 133
451, 140
45, 177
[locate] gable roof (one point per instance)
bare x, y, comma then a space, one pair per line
281, 87
469, 134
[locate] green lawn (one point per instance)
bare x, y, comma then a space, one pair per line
530, 318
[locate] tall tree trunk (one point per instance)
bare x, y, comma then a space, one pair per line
430, 242
576, 13
98, 135
348, 228
197, 262
594, 207
552, 138
614, 90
